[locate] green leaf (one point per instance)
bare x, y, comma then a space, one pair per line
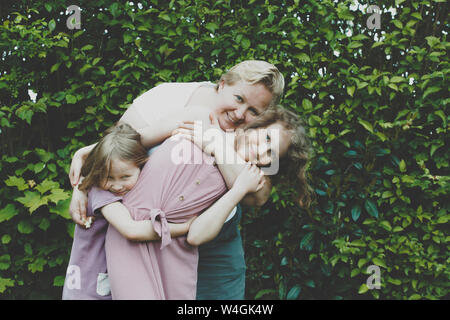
355, 44
58, 195
55, 67
5, 262
396, 79
386, 225
32, 200
366, 125
46, 185
356, 212
45, 224
363, 289
62, 209
371, 208
6, 282
25, 227
52, 25
430, 91
294, 292
354, 273
398, 24
71, 99
8, 212
351, 90
37, 265
402, 166
306, 242
87, 47
211, 26
38, 167
19, 183
362, 262
307, 105
58, 281
379, 262
397, 282
6, 239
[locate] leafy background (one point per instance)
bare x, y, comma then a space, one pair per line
374, 100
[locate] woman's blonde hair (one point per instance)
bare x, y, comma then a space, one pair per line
257, 71
293, 165
120, 142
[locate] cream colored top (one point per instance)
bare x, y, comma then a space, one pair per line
165, 99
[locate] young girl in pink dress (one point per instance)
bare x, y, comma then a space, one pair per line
111, 172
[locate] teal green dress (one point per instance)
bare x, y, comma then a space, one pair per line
221, 264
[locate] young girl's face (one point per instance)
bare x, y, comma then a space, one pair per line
123, 175
260, 146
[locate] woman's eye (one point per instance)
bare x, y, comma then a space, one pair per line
253, 111
239, 98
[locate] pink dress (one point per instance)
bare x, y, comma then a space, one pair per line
178, 182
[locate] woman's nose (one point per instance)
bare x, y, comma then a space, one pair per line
240, 112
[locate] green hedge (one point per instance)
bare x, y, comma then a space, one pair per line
374, 101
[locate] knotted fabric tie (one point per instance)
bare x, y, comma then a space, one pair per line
161, 227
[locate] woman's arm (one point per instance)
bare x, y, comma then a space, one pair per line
208, 225
162, 129
151, 134
119, 217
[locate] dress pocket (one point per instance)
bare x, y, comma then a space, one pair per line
103, 288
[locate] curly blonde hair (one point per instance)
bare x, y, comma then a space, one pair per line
294, 164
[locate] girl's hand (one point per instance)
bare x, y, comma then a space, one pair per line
250, 180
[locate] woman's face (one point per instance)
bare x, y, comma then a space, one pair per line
261, 145
240, 103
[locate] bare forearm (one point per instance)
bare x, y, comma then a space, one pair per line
84, 152
119, 217
157, 133
208, 225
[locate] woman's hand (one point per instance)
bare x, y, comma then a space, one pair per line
78, 206
209, 139
77, 163
251, 179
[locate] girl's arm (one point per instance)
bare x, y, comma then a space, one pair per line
230, 172
119, 217
208, 225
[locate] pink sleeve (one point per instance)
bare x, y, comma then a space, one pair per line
98, 198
